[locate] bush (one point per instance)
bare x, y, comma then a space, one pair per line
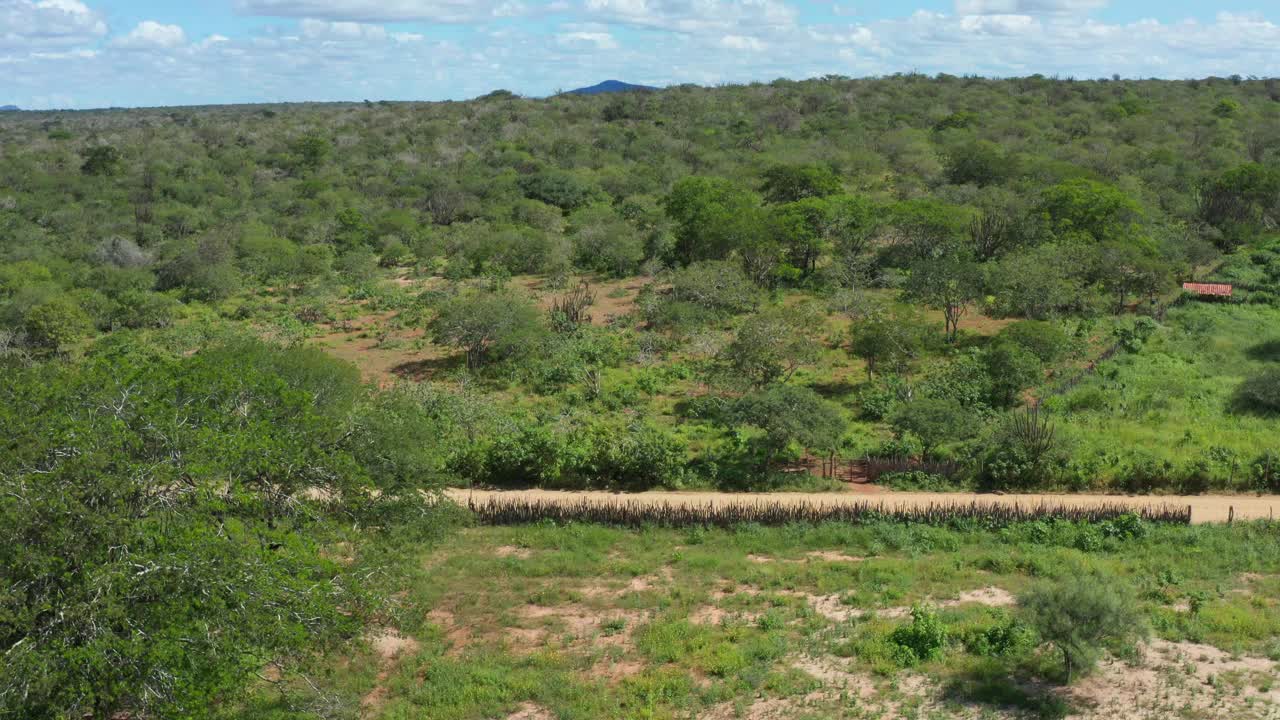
1025, 452
1260, 393
1046, 340
1080, 617
924, 639
934, 421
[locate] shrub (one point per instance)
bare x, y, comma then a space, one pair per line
1046, 340
1260, 393
1010, 637
1080, 617
923, 639
934, 421
1025, 452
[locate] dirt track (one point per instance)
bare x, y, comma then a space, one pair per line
1204, 508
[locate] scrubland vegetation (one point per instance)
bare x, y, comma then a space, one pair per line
243, 349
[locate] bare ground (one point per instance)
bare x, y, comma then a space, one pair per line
1204, 508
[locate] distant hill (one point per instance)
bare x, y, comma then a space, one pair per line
9, 108
610, 86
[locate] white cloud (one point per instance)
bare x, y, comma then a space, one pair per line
1026, 7
696, 16
341, 31
447, 11
332, 57
999, 24
742, 42
597, 40
35, 24
151, 35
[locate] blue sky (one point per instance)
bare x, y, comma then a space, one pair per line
97, 53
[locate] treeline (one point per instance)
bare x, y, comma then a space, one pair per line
1099, 191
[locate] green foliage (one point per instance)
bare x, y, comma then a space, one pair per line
713, 217
1097, 210
922, 640
167, 514
950, 284
788, 415
790, 183
770, 346
935, 421
1013, 368
485, 324
1080, 617
55, 324
1261, 392
1047, 341
102, 160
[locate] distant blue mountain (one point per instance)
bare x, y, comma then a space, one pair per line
9, 108
610, 86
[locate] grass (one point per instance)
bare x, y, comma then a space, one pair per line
585, 621
1174, 398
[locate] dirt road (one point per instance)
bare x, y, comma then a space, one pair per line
1204, 508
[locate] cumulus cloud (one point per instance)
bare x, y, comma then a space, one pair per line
341, 31
695, 16
597, 40
38, 24
742, 42
329, 55
1026, 7
151, 35
446, 11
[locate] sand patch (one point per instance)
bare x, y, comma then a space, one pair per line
390, 647
1180, 680
832, 608
833, 556
833, 674
530, 711
713, 615
511, 551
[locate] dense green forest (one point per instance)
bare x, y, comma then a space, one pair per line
244, 347
825, 269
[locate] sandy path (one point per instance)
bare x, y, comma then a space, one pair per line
1204, 508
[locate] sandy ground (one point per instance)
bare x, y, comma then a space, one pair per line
1204, 508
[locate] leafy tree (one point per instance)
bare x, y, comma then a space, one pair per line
1100, 211
770, 346
891, 340
485, 324
788, 415
1127, 270
979, 162
950, 284
1048, 341
1080, 616
791, 183
563, 189
101, 160
55, 324
161, 521
1241, 201
1260, 392
311, 150
1012, 368
713, 218
934, 421
1040, 282
925, 229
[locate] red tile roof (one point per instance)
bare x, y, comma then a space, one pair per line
1208, 289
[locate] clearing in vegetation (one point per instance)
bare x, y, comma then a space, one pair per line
827, 621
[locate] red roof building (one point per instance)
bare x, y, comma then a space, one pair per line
1212, 289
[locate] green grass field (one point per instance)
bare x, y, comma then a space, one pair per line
586, 622
1173, 400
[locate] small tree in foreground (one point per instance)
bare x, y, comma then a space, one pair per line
1080, 616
